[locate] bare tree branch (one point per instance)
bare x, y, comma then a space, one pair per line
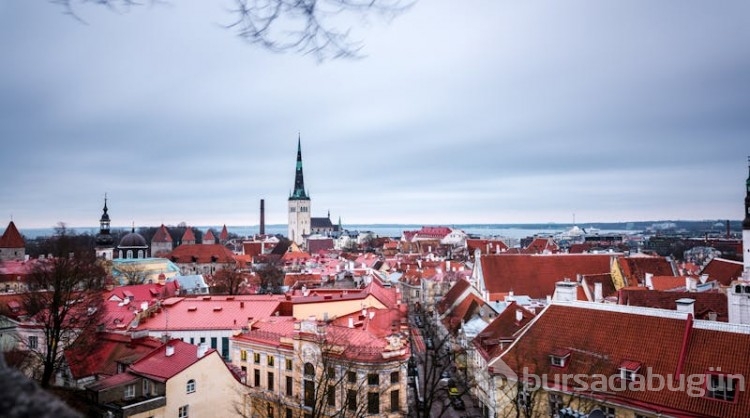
307, 27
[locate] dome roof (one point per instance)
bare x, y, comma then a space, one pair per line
133, 239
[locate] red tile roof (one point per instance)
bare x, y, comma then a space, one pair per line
209, 236
502, 329
634, 268
462, 312
486, 246
211, 312
11, 237
536, 275
161, 367
600, 340
201, 253
668, 282
452, 295
542, 246
162, 235
110, 349
188, 236
722, 270
705, 302
224, 234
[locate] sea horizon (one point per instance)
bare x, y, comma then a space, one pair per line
511, 230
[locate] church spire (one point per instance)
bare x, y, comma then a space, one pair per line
299, 180
746, 222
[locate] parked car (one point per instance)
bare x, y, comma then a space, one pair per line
458, 403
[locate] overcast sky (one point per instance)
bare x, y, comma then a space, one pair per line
477, 111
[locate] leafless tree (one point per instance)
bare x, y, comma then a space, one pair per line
229, 281
301, 26
441, 379
64, 303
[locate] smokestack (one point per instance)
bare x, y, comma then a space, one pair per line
262, 217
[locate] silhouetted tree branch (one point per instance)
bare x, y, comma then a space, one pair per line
300, 26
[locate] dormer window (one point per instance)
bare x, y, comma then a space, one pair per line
559, 357
722, 386
629, 370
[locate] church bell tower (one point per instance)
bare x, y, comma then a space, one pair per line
299, 203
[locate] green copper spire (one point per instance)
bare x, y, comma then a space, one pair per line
299, 180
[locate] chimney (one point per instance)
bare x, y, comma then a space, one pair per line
712, 316
519, 315
689, 284
144, 306
169, 351
686, 305
565, 291
649, 281
598, 293
262, 230
351, 322
202, 349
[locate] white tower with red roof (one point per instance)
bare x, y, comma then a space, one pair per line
746, 227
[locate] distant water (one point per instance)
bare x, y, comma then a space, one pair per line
382, 230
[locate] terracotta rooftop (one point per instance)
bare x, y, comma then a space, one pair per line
486, 246
201, 253
162, 235
722, 270
502, 329
634, 268
109, 350
11, 237
160, 366
536, 275
601, 337
705, 302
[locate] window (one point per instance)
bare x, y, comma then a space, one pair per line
395, 401
289, 386
256, 377
146, 387
559, 358
33, 342
288, 364
214, 342
373, 403
183, 411
394, 377
331, 395
256, 358
351, 377
331, 372
555, 403
203, 340
351, 400
629, 370
225, 348
722, 387
289, 413
129, 392
191, 386
309, 369
309, 393
609, 412
270, 381
373, 379
269, 361
243, 355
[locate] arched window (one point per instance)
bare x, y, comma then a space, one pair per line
191, 386
140, 253
130, 254
309, 369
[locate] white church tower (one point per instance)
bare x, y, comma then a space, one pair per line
299, 204
738, 294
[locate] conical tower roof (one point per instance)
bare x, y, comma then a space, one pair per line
12, 238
